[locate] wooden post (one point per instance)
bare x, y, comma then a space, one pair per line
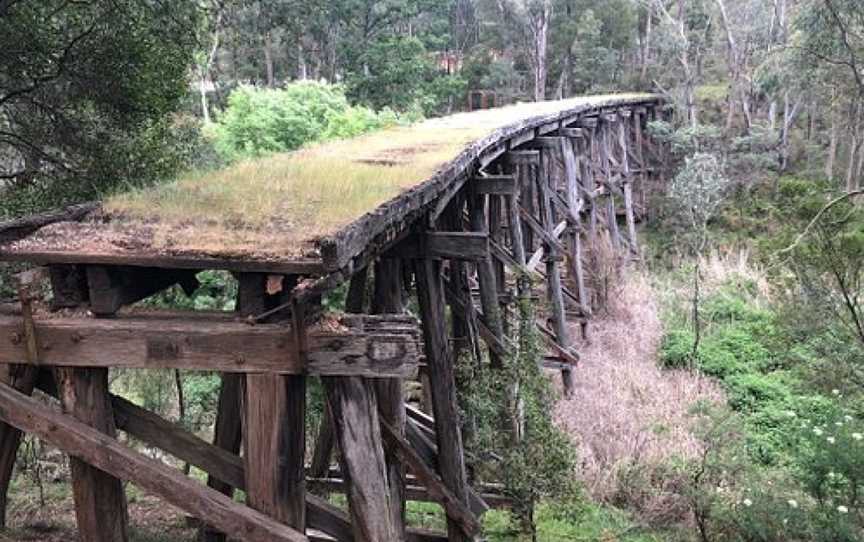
486, 275
100, 501
355, 418
440, 363
23, 379
575, 201
605, 153
553, 272
227, 433
388, 299
590, 166
354, 410
354, 304
627, 181
274, 435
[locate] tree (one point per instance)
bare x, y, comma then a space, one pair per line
84, 91
697, 192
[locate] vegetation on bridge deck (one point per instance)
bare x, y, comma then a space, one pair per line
277, 207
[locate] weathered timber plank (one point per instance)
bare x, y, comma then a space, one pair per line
105, 453
274, 443
174, 439
222, 346
55, 257
20, 228
498, 185
274, 436
469, 246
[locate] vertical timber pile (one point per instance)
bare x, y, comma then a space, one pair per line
274, 434
388, 299
627, 178
100, 500
23, 379
354, 413
575, 200
441, 366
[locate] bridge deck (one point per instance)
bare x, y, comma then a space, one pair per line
307, 212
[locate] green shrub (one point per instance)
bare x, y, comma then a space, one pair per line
676, 349
262, 121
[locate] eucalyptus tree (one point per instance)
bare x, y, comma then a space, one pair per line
84, 90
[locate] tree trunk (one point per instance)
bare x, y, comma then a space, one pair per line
540, 30
268, 60
832, 146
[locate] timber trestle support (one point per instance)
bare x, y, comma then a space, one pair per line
518, 221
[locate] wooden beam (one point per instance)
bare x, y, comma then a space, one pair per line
227, 436
388, 299
497, 185
469, 246
440, 364
305, 266
174, 439
413, 492
133, 342
114, 287
108, 455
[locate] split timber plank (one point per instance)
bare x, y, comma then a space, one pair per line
131, 342
105, 453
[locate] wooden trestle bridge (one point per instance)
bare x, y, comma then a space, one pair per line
527, 199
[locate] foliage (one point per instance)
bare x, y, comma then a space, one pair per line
393, 72
263, 121
84, 93
534, 458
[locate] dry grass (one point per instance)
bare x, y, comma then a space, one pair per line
627, 411
311, 192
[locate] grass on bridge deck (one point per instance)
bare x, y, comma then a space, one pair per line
276, 207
